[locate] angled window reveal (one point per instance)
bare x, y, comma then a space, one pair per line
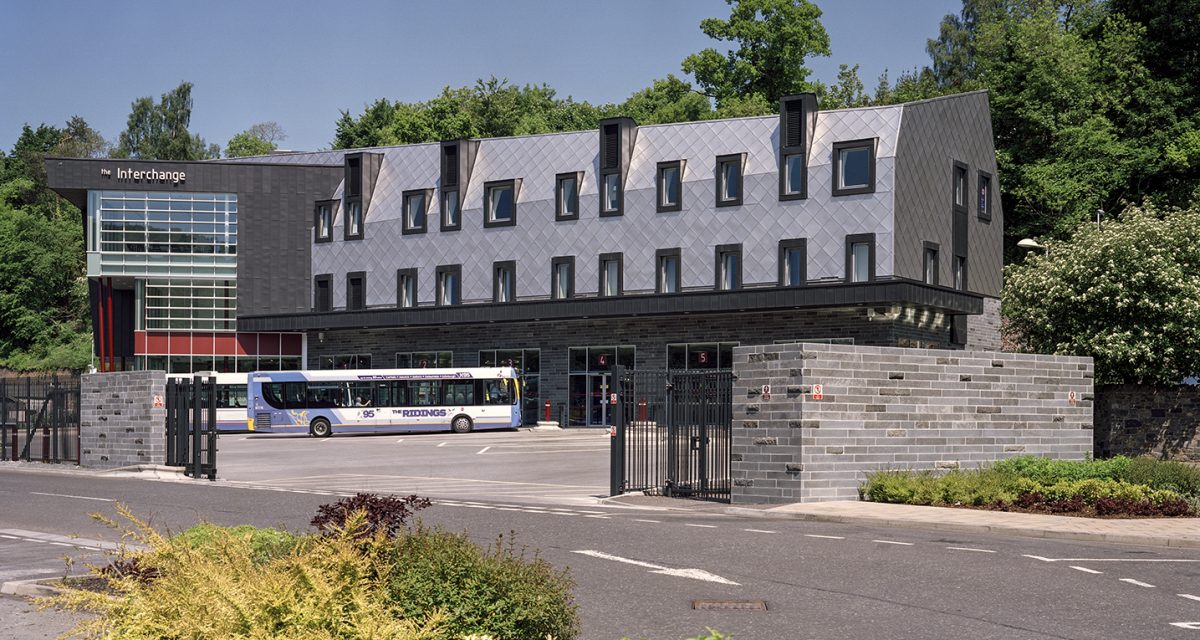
449, 284
504, 281
728, 271
500, 204
566, 195
960, 273
562, 277
669, 274
959, 187
617, 137
854, 167
929, 268
611, 274
354, 220
796, 114
984, 196
416, 209
323, 221
670, 186
451, 210
356, 291
610, 195
323, 293
793, 262
729, 175
406, 288
860, 257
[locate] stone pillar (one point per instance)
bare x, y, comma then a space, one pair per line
119, 424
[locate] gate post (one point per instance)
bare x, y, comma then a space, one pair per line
616, 460
211, 450
197, 426
172, 408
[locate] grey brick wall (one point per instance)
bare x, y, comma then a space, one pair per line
118, 423
886, 407
1141, 420
983, 331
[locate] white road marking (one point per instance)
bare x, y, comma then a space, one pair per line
483, 450
1086, 570
650, 521
400, 440
971, 549
694, 574
61, 544
599, 517
1194, 626
814, 535
906, 544
67, 495
759, 531
1138, 583
702, 526
1110, 559
1188, 596
441, 444
1026, 555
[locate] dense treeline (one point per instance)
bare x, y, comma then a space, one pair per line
1095, 106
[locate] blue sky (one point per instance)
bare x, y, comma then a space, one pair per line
300, 62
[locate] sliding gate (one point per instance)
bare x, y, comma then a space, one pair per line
672, 433
192, 425
39, 418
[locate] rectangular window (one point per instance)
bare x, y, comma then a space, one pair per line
793, 175
670, 279
562, 277
406, 288
610, 196
611, 266
323, 223
566, 199
504, 281
854, 167
500, 204
793, 262
415, 208
960, 273
985, 197
670, 186
959, 187
729, 180
929, 272
424, 359
451, 212
700, 355
356, 290
449, 285
354, 220
729, 267
323, 293
860, 257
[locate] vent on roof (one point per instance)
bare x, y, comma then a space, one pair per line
450, 166
612, 146
793, 123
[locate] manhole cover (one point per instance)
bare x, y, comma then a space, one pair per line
729, 605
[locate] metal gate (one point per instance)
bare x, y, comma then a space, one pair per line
672, 433
192, 425
39, 418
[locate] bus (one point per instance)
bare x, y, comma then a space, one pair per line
231, 399
383, 400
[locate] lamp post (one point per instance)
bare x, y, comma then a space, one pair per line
1029, 244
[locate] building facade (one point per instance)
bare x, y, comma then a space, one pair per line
566, 254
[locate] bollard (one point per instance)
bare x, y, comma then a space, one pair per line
548, 411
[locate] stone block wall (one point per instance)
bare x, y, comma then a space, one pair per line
1141, 420
118, 423
983, 330
895, 408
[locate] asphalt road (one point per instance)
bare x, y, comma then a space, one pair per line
638, 570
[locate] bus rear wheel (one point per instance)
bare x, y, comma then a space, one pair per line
461, 424
320, 428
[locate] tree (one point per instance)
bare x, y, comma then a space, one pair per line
846, 93
773, 40
159, 131
258, 140
1126, 294
666, 100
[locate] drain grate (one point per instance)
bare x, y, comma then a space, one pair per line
729, 605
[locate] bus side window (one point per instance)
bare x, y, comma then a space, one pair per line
273, 394
383, 394
459, 392
400, 394
237, 396
495, 392
424, 393
293, 395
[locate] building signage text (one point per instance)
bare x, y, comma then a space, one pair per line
149, 175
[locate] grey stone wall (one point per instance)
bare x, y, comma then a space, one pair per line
983, 331
118, 423
885, 407
1141, 420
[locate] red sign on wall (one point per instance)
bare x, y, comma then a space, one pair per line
818, 392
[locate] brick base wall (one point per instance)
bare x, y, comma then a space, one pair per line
1140, 420
983, 331
118, 423
894, 408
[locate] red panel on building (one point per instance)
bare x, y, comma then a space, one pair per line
291, 344
225, 344
202, 343
247, 344
139, 342
268, 344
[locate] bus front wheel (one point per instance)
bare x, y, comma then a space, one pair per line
320, 428
461, 424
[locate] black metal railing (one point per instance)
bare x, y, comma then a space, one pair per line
39, 418
192, 425
672, 433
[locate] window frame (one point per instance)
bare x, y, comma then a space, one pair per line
984, 213
570, 262
327, 279
960, 170
405, 228
361, 276
927, 248
401, 274
956, 273
328, 237
659, 190
784, 194
442, 209
488, 187
619, 258
619, 210
740, 159
660, 257
860, 238
719, 254
443, 271
559, 213
785, 246
497, 268
870, 145
349, 205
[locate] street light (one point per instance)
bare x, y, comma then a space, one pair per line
1031, 244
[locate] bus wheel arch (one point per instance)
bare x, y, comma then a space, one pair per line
462, 423
320, 428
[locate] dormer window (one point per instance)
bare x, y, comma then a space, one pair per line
854, 167
796, 119
566, 195
415, 209
323, 222
729, 180
451, 214
617, 137
670, 186
354, 220
500, 204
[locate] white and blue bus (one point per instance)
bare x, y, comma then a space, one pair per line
382, 400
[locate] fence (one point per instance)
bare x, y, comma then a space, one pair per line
192, 425
39, 418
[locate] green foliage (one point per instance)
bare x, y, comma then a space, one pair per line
1161, 474
265, 543
159, 130
1048, 471
498, 592
245, 144
771, 39
1127, 294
